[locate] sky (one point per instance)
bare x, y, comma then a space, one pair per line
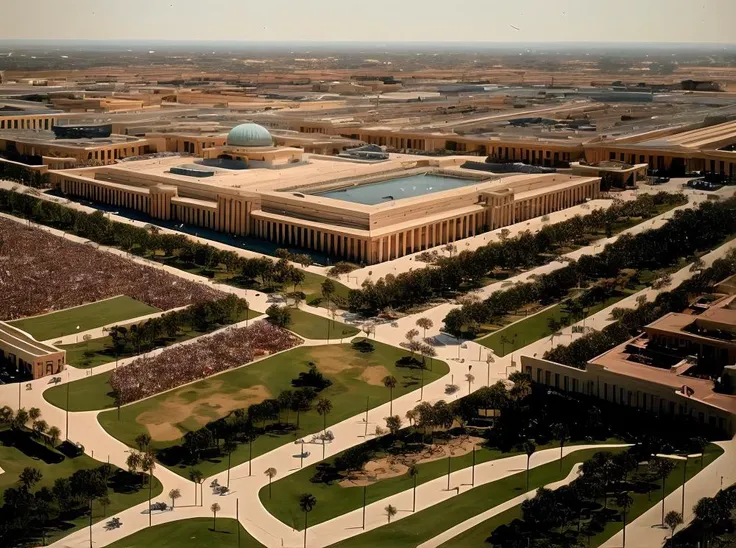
373, 20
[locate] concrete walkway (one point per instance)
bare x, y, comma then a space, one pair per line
264, 527
460, 528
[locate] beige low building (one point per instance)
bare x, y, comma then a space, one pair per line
666, 370
22, 352
248, 187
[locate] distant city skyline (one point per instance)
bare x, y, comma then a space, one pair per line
619, 21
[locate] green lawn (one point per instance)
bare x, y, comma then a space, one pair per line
427, 524
88, 316
85, 394
477, 535
335, 500
13, 461
535, 327
96, 352
190, 533
356, 377
311, 326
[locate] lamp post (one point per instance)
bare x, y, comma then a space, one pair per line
676, 458
684, 478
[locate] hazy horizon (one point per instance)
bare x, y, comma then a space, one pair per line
535, 22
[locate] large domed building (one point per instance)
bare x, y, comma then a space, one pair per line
249, 135
252, 145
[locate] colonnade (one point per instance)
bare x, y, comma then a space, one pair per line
405, 242
351, 247
547, 203
132, 199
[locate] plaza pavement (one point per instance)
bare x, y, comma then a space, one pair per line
347, 433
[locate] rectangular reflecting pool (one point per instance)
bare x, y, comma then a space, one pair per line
396, 189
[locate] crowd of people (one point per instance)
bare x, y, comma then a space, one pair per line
147, 376
40, 273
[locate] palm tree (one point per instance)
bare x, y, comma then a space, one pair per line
390, 382
173, 495
196, 476
390, 512
20, 419
6, 415
411, 416
40, 427
148, 464
30, 477
673, 519
471, 378
307, 502
54, 434
413, 473
323, 407
559, 430
34, 413
142, 441
133, 462
229, 446
215, 508
529, 448
425, 323
271, 473
624, 501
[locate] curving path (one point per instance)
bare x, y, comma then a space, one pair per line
257, 520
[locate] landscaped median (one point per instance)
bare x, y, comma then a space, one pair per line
212, 532
642, 501
83, 318
426, 524
340, 492
355, 371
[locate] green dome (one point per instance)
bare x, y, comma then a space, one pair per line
249, 135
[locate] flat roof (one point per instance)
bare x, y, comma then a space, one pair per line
615, 360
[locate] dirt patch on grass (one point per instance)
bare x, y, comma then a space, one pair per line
332, 359
397, 465
162, 422
374, 375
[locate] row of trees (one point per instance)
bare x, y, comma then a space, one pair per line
146, 241
713, 525
562, 517
689, 231
39, 428
631, 321
203, 317
467, 269
23, 175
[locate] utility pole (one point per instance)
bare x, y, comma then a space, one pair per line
66, 429
237, 520
365, 487
472, 477
449, 470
